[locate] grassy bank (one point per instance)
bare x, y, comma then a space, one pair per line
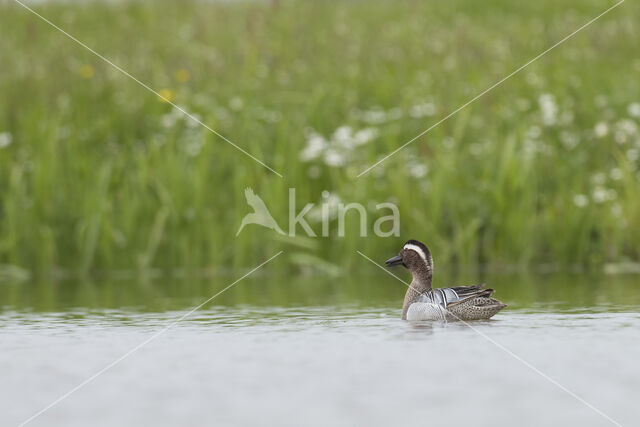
98, 174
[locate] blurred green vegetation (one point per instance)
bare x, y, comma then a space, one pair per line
97, 174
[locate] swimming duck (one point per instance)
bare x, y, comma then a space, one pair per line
421, 302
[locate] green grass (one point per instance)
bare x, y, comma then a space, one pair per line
102, 176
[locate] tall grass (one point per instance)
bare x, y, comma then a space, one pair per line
97, 174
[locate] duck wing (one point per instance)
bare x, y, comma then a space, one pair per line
467, 292
447, 297
461, 302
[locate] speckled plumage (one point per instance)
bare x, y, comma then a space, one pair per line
476, 307
422, 302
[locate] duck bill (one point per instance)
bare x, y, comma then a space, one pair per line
396, 260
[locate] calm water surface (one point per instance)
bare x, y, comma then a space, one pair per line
318, 352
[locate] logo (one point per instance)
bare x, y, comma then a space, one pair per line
331, 210
260, 216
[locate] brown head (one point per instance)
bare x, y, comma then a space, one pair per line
416, 257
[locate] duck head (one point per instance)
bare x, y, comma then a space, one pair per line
416, 257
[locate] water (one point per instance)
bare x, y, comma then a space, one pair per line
318, 352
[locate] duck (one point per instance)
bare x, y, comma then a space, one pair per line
422, 302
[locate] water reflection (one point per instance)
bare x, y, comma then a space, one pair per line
553, 292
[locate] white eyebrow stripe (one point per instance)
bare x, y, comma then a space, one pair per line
416, 248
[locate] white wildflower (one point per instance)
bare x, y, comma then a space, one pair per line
634, 109
601, 194
5, 139
548, 108
342, 133
334, 158
632, 154
601, 129
374, 116
418, 170
620, 137
615, 174
194, 121
316, 144
580, 200
172, 117
343, 137
422, 110
365, 135
627, 126
338, 150
377, 115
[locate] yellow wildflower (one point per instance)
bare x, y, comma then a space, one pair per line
86, 71
166, 95
183, 75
